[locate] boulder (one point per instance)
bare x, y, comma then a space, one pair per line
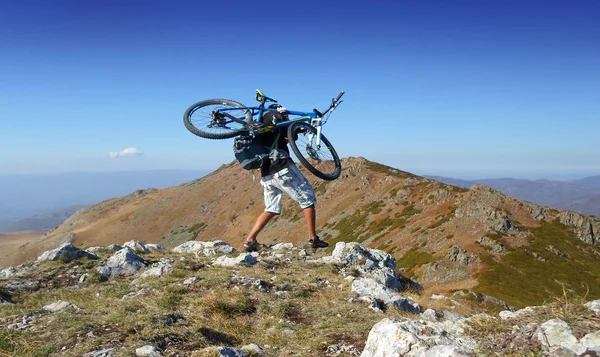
246, 258
372, 263
148, 351
591, 341
282, 246
216, 247
223, 352
594, 306
109, 352
123, 262
164, 267
60, 305
66, 252
587, 228
7, 273
155, 247
370, 287
137, 246
406, 337
555, 334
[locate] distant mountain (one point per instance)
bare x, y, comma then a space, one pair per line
39, 222
591, 182
588, 204
571, 195
23, 196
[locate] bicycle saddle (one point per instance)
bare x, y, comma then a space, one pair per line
260, 97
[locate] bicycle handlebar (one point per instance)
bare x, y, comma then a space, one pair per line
334, 103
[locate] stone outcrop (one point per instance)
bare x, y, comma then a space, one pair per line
406, 337
60, 305
459, 255
594, 306
7, 273
586, 228
66, 252
137, 247
556, 334
204, 248
370, 288
244, 258
372, 263
123, 262
164, 267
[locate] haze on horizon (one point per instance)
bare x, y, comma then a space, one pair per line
463, 89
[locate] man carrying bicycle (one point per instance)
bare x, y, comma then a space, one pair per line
281, 175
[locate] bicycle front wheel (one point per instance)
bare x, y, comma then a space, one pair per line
321, 159
215, 118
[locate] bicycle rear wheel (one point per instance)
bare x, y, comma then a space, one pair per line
205, 120
321, 160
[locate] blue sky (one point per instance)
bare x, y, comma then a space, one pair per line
457, 88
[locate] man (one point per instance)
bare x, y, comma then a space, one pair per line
279, 176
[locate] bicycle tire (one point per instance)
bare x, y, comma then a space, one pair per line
322, 161
211, 105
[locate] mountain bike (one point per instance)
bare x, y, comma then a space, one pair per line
224, 118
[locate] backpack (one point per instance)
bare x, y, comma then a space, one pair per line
251, 152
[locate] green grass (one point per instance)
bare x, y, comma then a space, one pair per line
414, 257
521, 280
443, 219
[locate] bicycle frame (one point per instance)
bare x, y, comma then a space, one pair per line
313, 117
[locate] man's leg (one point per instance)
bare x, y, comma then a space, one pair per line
310, 217
261, 222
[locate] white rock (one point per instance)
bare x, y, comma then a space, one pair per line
83, 278
288, 332
429, 315
506, 314
7, 273
60, 305
556, 333
155, 247
594, 306
592, 341
406, 337
159, 270
123, 262
438, 297
242, 258
66, 252
95, 250
282, 246
109, 352
254, 349
190, 281
369, 287
137, 246
189, 247
148, 351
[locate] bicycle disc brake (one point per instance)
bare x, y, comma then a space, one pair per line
310, 150
218, 120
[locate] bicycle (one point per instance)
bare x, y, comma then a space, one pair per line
225, 118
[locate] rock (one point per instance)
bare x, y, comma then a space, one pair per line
33, 285
507, 314
288, 332
190, 281
459, 254
554, 334
429, 315
7, 273
155, 247
496, 248
594, 306
5, 297
592, 341
137, 246
587, 228
189, 247
254, 350
114, 248
282, 246
148, 351
406, 337
223, 352
60, 305
95, 250
369, 287
83, 278
372, 263
123, 262
164, 267
143, 291
109, 352
245, 258
216, 247
66, 253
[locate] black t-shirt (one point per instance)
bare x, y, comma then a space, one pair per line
274, 166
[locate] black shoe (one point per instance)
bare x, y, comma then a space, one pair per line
317, 243
253, 246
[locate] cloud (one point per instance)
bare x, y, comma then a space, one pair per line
126, 152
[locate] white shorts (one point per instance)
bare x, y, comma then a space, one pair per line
291, 181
